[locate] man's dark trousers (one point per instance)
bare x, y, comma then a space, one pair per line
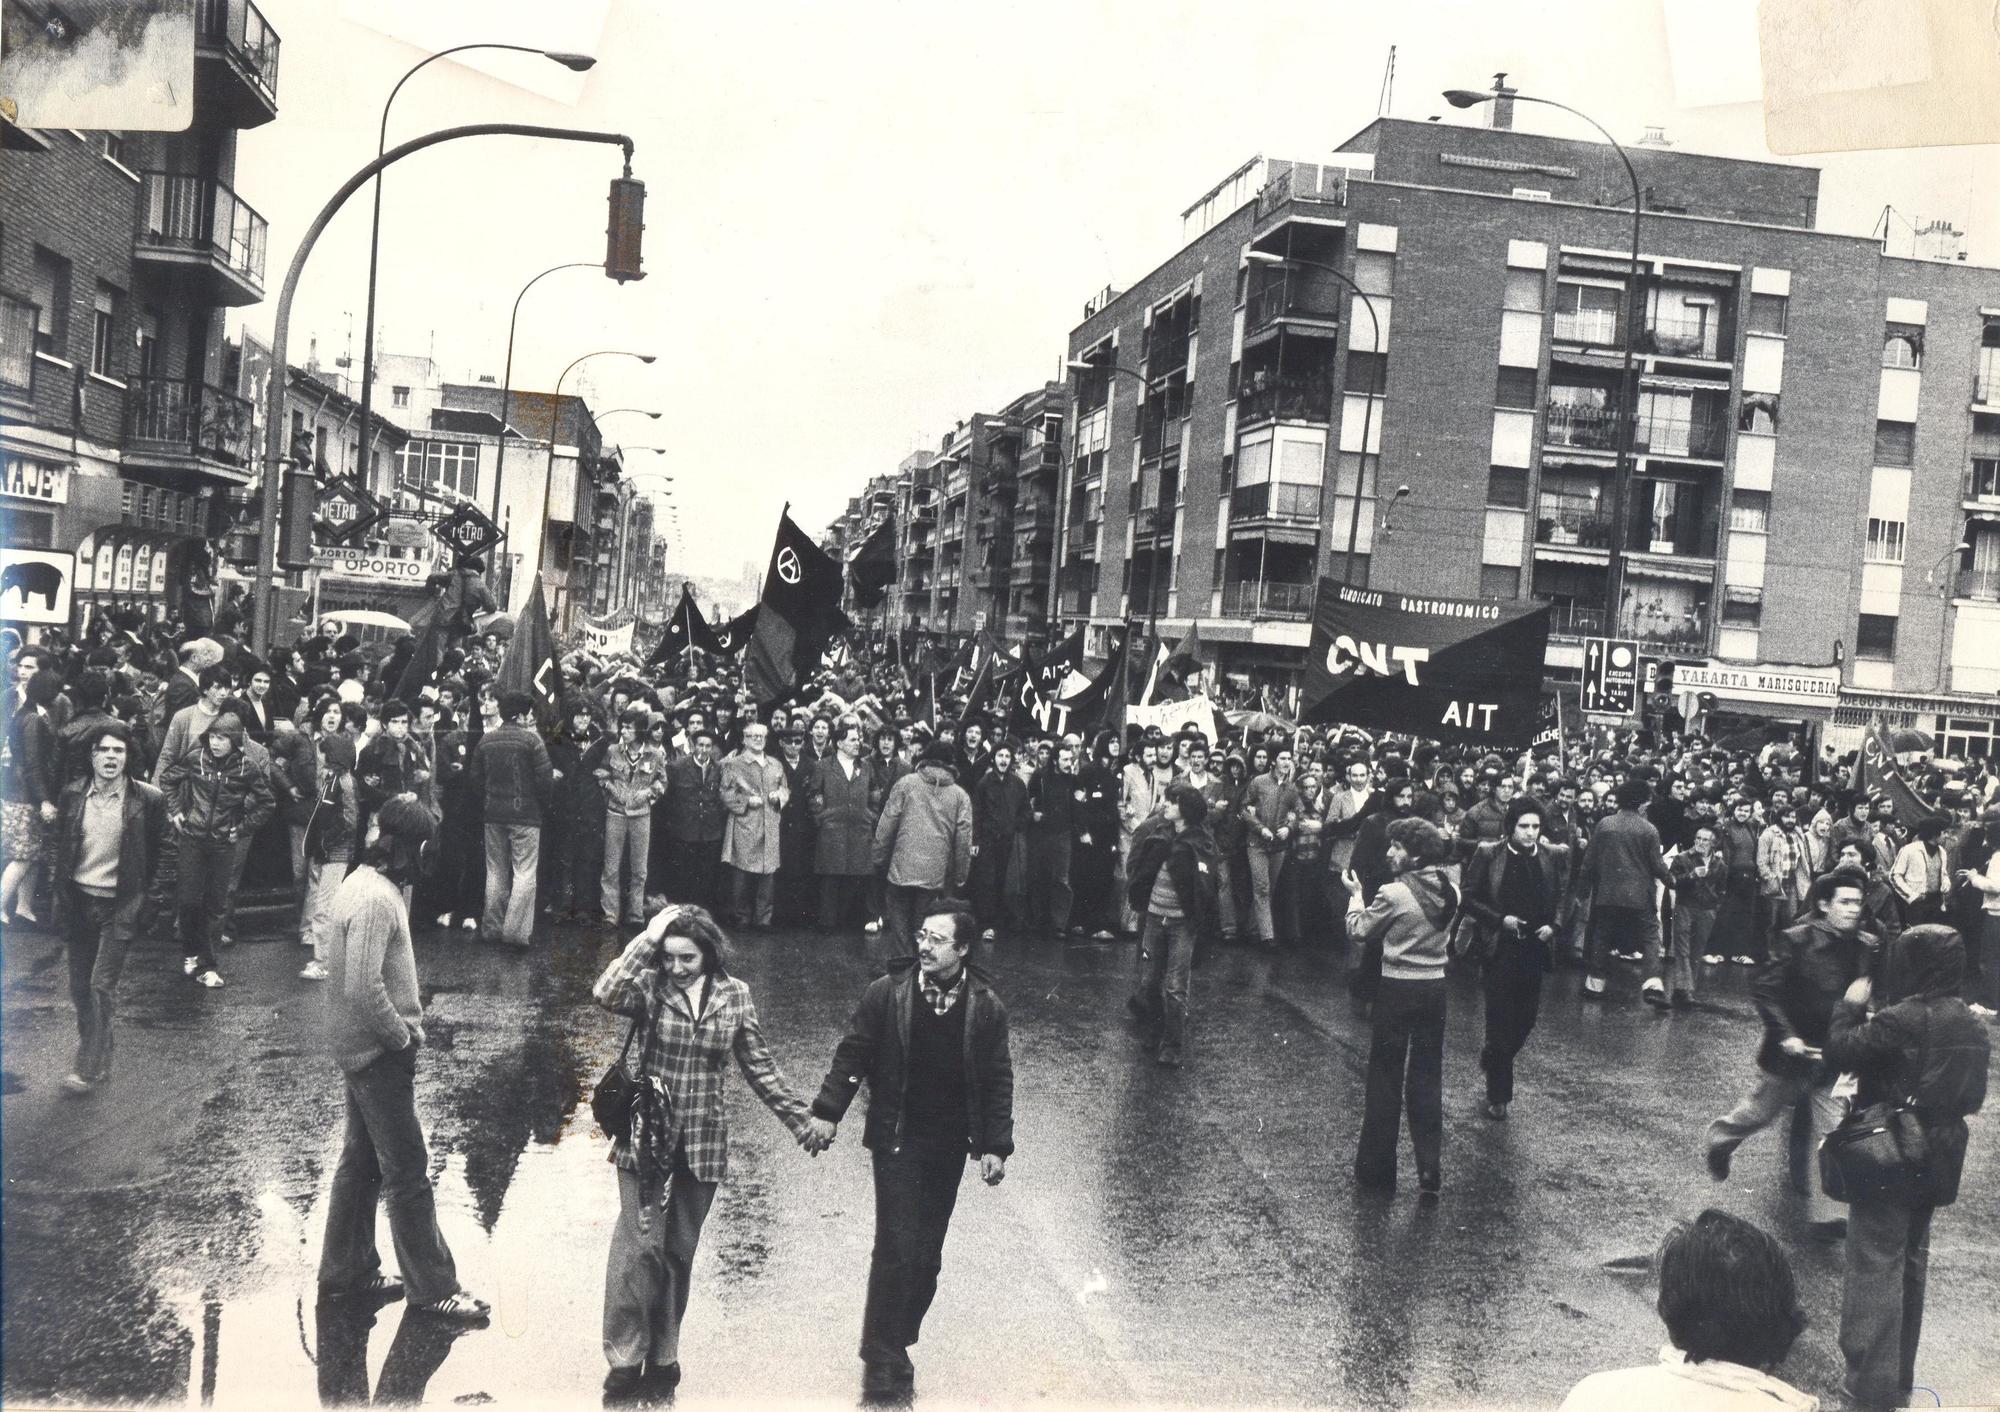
97, 942
916, 1187
1513, 984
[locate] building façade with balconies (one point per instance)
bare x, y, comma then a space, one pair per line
121, 431
1816, 423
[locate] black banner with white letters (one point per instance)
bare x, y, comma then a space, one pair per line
1448, 669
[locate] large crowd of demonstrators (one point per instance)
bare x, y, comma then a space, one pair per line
149, 764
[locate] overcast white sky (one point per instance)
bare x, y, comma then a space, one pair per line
869, 220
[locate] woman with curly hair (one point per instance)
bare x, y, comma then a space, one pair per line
690, 1015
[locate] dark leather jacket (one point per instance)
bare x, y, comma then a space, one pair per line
138, 853
876, 1051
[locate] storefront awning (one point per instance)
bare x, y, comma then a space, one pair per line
1564, 555
1667, 569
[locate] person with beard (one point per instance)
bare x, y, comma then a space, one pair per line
1517, 900
1924, 1048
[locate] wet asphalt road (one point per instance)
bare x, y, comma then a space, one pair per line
1161, 1237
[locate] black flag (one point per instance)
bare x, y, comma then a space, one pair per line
687, 628
531, 664
799, 612
873, 567
731, 636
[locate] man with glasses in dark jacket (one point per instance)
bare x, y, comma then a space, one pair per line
930, 1041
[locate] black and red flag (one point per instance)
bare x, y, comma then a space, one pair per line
797, 616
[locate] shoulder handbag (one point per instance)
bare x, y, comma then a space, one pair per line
1880, 1152
611, 1100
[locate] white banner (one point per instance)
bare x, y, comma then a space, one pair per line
609, 641
1172, 715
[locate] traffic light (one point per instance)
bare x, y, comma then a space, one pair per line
628, 224
296, 503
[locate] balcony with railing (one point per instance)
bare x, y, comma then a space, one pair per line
1287, 397
178, 420
198, 224
1981, 585
1576, 620
1696, 438
1269, 599
1669, 337
1680, 630
1275, 500
17, 346
1311, 306
1581, 427
236, 63
1572, 524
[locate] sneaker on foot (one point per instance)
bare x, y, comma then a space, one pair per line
1744, 960
1711, 960
212, 979
314, 971
1718, 1163
986, 935
872, 925
444, 919
1496, 1111
1654, 993
189, 965
470, 924
1984, 1012
1593, 985
77, 1083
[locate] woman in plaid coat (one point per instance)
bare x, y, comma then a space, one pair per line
692, 1015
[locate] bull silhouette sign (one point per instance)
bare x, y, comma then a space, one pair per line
35, 586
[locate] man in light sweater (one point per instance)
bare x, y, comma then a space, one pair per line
374, 1025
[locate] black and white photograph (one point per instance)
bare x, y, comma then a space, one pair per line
1046, 705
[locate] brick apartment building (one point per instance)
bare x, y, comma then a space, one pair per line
1817, 423
975, 523
121, 434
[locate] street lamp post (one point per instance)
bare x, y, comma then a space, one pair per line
507, 380
274, 427
1375, 390
1082, 365
577, 63
555, 417
1628, 392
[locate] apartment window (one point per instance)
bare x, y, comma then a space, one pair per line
1499, 581
1507, 487
104, 330
1757, 412
1767, 313
399, 396
1985, 478
1517, 388
1524, 291
1743, 608
1885, 541
114, 147
1367, 372
49, 293
1374, 272
446, 465
1895, 444
1750, 511
1875, 637
1903, 346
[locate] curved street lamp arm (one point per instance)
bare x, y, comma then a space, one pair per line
274, 429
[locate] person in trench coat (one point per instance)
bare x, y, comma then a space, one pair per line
840, 806
755, 793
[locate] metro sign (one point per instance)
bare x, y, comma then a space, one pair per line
346, 511
467, 532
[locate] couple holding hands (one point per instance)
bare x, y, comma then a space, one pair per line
929, 1039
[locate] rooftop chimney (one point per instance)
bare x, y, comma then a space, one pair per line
1501, 111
